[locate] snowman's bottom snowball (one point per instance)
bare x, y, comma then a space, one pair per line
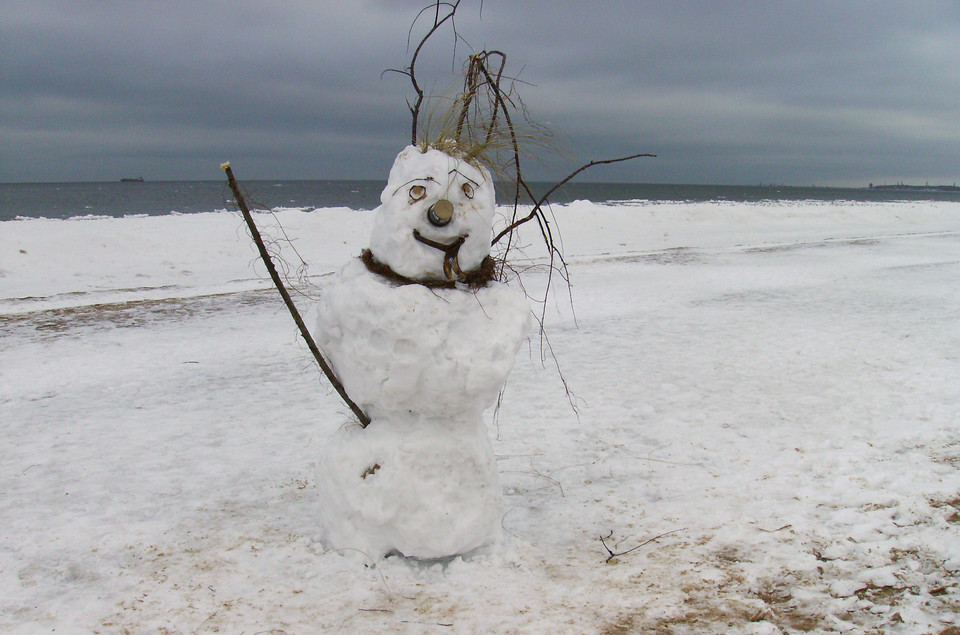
423, 489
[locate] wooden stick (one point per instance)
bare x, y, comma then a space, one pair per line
543, 199
311, 344
613, 555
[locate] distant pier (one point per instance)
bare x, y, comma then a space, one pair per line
903, 187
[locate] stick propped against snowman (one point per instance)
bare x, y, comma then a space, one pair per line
421, 331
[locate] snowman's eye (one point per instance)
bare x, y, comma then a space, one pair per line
467, 190
417, 192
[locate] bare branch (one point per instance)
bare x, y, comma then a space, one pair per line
288, 301
613, 555
543, 199
483, 122
411, 70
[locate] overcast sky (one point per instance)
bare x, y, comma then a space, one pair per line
803, 92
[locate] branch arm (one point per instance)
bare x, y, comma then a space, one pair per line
288, 301
543, 199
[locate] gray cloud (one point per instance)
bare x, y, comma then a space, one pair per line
734, 92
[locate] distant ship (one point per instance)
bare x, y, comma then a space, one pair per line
138, 179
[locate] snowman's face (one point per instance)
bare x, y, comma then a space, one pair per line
435, 218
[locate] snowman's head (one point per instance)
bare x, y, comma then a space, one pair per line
435, 218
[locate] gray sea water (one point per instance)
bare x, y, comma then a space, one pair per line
118, 199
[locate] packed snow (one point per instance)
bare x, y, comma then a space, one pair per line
423, 363
766, 433
417, 180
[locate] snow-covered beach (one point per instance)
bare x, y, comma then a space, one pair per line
774, 386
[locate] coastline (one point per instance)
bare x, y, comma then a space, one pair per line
158, 198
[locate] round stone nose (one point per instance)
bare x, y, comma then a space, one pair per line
440, 213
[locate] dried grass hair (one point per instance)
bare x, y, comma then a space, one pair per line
479, 124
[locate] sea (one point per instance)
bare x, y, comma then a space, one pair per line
155, 198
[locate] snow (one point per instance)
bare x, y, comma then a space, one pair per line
441, 177
776, 384
423, 364
438, 352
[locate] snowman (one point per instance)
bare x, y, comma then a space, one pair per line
423, 340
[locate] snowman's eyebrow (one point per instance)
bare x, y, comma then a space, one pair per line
426, 178
463, 175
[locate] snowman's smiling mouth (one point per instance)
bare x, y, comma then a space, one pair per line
451, 267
